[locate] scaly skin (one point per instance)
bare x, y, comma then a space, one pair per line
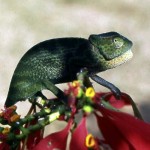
58, 60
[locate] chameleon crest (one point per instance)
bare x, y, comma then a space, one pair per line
58, 60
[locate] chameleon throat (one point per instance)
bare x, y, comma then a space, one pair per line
120, 59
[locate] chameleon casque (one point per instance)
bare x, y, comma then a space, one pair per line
58, 60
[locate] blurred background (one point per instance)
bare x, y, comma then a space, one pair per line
26, 23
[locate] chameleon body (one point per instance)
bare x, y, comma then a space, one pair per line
58, 60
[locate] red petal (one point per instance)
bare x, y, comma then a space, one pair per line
55, 140
111, 134
79, 136
35, 137
131, 129
4, 146
123, 101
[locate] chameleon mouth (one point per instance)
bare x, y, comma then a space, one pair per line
120, 59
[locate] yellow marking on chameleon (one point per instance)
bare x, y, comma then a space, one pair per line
120, 59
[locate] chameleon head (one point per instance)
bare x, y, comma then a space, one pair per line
113, 48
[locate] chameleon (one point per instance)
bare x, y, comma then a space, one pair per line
58, 60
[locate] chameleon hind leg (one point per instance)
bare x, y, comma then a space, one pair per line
40, 94
46, 84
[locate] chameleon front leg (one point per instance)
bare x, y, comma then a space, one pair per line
106, 84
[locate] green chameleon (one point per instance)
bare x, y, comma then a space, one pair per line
58, 60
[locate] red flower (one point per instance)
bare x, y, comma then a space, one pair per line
8, 112
55, 140
4, 146
74, 89
123, 131
79, 136
35, 137
120, 130
123, 101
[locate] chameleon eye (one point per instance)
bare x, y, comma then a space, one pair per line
118, 42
